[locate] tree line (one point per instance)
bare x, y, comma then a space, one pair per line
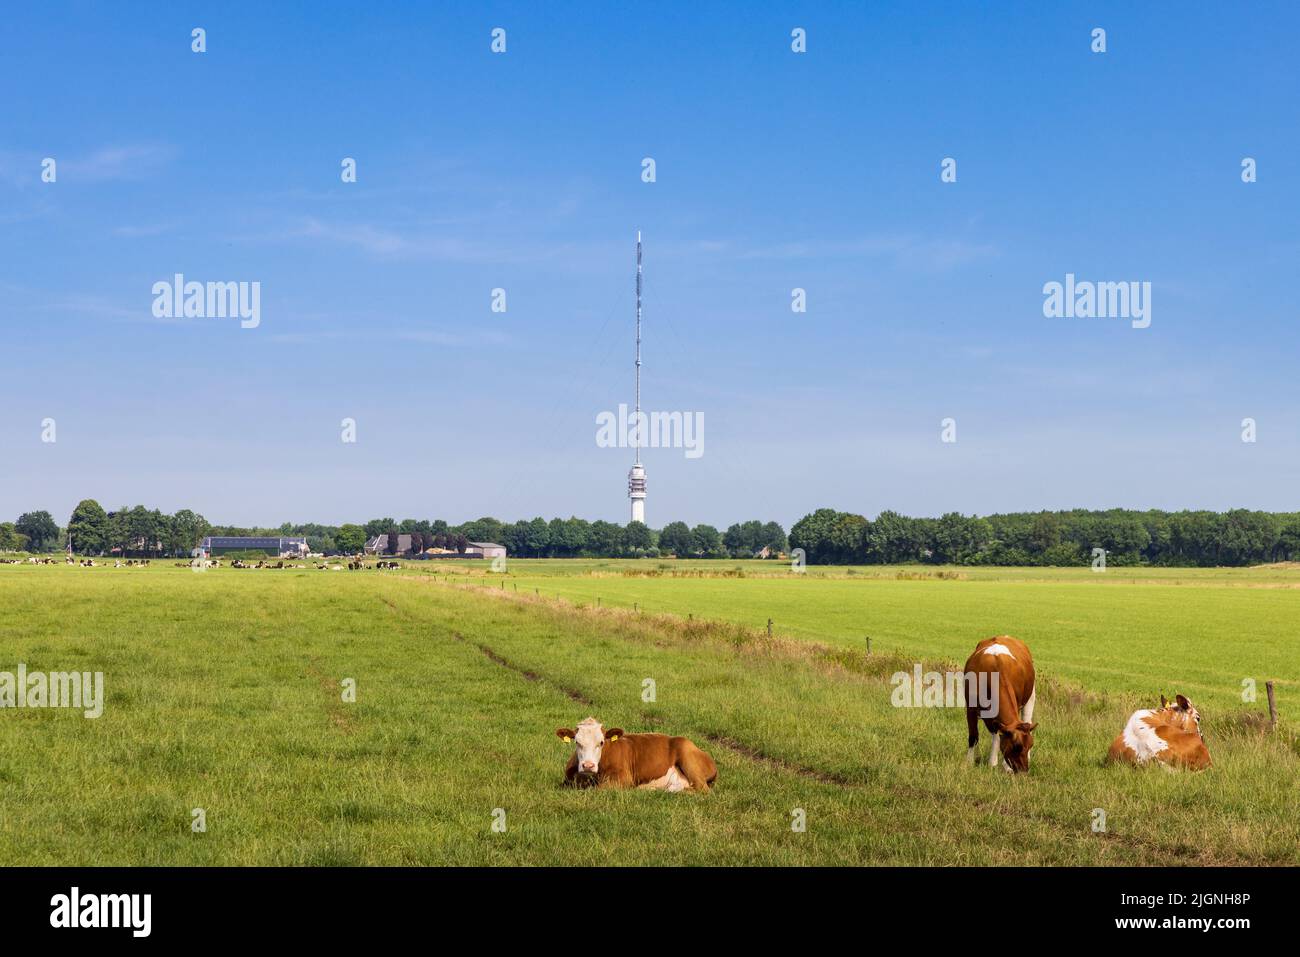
94, 531
140, 531
1127, 537
827, 536
578, 538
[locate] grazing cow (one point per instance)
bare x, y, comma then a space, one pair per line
649, 761
1169, 735
1012, 724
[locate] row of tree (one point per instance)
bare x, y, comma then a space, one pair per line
94, 531
577, 537
137, 530
133, 530
1153, 537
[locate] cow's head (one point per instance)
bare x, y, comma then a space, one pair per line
1181, 713
1016, 743
589, 740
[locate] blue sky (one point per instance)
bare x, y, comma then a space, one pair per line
775, 170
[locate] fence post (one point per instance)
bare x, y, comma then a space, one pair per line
769, 628
868, 644
1272, 705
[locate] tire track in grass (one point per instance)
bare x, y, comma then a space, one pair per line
492, 656
739, 749
335, 710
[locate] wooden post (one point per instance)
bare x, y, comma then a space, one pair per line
868, 644
597, 601
769, 628
1272, 705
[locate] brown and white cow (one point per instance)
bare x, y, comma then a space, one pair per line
1169, 735
613, 759
1012, 724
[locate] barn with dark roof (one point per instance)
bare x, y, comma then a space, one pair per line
281, 546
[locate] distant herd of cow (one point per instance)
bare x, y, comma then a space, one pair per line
197, 563
83, 562
354, 565
1169, 735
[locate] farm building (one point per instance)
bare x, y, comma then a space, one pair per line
379, 546
281, 546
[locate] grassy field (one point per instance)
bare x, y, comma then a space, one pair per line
224, 693
1141, 631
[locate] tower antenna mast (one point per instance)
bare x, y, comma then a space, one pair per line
636, 477
638, 346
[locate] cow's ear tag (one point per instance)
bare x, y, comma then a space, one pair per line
614, 738
567, 738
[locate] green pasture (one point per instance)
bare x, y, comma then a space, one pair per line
224, 692
1201, 632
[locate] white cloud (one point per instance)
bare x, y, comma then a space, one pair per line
137, 232
117, 163
914, 252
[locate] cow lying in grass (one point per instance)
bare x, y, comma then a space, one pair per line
650, 761
1169, 735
